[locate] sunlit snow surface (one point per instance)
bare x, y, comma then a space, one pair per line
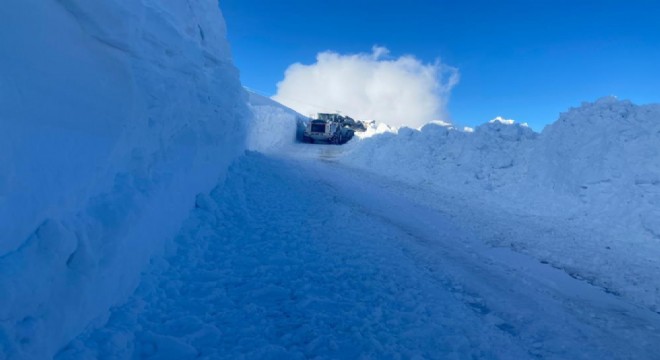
292, 258
595, 173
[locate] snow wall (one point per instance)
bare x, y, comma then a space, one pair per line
113, 116
597, 168
274, 127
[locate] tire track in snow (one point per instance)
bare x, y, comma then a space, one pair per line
545, 309
271, 267
277, 263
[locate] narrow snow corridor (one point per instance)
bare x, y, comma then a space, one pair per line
296, 259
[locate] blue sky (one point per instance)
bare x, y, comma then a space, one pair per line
526, 60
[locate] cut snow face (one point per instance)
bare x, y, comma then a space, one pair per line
273, 127
113, 116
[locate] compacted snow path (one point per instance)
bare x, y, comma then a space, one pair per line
300, 258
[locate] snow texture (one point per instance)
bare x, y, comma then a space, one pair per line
113, 116
295, 258
597, 168
432, 243
273, 127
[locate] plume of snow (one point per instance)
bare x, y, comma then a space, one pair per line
401, 91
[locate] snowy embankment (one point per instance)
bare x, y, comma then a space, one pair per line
113, 116
273, 126
596, 170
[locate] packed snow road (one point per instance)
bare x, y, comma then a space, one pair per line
296, 258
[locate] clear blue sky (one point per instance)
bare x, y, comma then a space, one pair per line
526, 60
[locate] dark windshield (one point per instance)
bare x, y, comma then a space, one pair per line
318, 127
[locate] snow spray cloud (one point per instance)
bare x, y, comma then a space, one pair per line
397, 91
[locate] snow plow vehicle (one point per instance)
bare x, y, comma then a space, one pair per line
331, 129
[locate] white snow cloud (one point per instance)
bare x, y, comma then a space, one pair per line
400, 91
502, 120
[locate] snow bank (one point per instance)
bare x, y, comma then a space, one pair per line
273, 126
440, 154
113, 115
607, 154
596, 168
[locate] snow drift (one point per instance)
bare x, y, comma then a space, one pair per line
597, 168
113, 115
